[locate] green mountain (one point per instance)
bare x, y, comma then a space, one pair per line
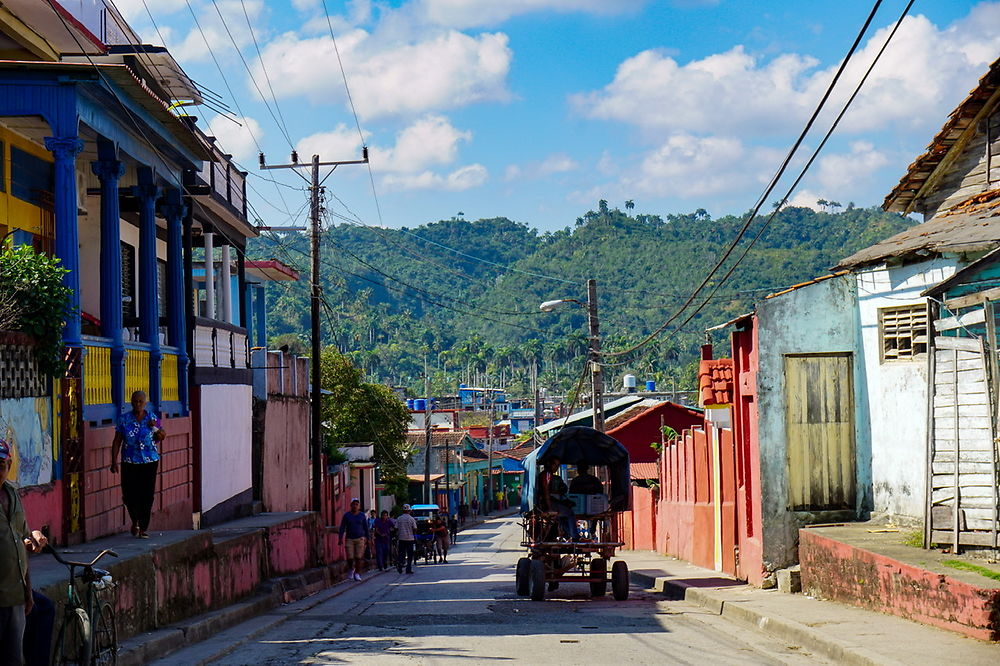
462, 296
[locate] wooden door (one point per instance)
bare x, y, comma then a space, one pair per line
819, 421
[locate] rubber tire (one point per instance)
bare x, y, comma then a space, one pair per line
73, 644
619, 580
599, 566
105, 637
537, 578
522, 577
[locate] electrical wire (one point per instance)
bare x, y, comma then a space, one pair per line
764, 196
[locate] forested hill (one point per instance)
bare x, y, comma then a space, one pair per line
464, 295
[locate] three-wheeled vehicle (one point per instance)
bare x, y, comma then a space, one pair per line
424, 545
568, 536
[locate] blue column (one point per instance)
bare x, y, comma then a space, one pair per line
174, 210
64, 150
109, 171
149, 305
260, 316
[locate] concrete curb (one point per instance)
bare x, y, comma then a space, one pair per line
148, 647
714, 600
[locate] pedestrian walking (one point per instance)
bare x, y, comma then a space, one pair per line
453, 528
16, 540
382, 530
475, 507
463, 513
406, 531
439, 530
136, 436
354, 524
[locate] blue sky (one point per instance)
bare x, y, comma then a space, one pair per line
535, 109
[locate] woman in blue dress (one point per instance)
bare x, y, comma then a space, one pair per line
137, 433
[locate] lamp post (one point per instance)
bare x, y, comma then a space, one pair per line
594, 348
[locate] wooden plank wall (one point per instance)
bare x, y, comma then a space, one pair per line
963, 431
969, 176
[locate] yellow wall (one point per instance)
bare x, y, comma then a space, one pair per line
15, 213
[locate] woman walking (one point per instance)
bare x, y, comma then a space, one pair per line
136, 435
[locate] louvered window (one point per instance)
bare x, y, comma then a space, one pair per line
903, 332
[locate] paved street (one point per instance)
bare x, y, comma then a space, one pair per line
467, 610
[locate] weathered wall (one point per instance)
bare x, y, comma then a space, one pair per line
896, 390
637, 528
172, 504
819, 318
284, 451
226, 445
835, 570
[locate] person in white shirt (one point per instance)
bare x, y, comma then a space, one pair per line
406, 529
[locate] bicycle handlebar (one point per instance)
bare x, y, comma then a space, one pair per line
52, 551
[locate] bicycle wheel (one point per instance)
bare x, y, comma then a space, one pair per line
105, 636
73, 644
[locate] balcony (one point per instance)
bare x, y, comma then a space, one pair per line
98, 406
221, 354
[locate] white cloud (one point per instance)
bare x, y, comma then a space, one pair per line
448, 70
196, 47
340, 143
553, 164
306, 5
920, 76
804, 199
431, 140
460, 179
237, 140
474, 13
841, 171
133, 10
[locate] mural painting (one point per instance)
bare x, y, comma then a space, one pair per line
26, 424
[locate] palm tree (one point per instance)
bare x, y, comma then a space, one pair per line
602, 206
629, 205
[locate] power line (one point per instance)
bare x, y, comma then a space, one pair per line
767, 192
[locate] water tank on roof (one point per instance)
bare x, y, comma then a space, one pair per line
462, 386
420, 405
409, 403
651, 386
629, 383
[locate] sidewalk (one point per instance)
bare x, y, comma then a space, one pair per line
845, 634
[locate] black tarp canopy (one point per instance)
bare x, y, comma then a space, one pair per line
581, 445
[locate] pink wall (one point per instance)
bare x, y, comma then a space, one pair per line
749, 527
285, 454
43, 506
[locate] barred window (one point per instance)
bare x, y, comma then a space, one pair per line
903, 332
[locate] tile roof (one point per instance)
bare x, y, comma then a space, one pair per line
641, 471
715, 382
964, 117
438, 438
519, 453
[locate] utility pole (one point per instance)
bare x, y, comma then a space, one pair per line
596, 373
315, 188
447, 472
489, 466
427, 436
538, 403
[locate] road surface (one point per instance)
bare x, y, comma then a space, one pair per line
466, 610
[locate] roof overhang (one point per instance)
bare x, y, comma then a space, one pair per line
56, 26
925, 172
271, 270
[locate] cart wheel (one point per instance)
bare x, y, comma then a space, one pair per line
537, 572
599, 568
522, 577
619, 580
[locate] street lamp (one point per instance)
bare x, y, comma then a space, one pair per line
594, 348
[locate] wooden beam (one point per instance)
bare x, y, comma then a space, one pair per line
959, 344
969, 300
961, 321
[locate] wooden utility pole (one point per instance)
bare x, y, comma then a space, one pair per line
315, 210
427, 437
489, 466
596, 373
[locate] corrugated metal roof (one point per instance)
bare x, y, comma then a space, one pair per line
795, 287
971, 226
963, 118
574, 419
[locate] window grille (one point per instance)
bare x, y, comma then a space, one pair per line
903, 332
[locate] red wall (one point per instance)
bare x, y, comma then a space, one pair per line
104, 512
285, 454
637, 528
637, 433
746, 364
43, 506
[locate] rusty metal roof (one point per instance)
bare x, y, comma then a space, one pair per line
796, 287
961, 120
971, 226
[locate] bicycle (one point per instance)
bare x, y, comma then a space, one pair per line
88, 635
